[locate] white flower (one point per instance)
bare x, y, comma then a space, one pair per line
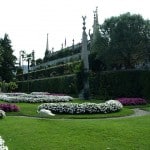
2, 114
34, 98
2, 146
75, 108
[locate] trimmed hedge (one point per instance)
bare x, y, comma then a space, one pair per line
105, 85
114, 84
61, 84
62, 69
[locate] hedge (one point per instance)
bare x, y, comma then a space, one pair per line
105, 85
114, 84
53, 71
61, 84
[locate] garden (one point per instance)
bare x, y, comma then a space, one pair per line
77, 124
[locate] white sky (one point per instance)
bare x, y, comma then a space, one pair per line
28, 21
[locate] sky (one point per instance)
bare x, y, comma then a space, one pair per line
27, 22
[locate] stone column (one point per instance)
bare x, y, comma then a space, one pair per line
84, 56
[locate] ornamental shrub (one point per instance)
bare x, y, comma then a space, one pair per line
61, 84
132, 101
9, 107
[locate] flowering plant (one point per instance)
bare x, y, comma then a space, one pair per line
2, 114
34, 98
9, 107
75, 108
132, 101
2, 146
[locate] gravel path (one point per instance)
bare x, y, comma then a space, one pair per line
137, 112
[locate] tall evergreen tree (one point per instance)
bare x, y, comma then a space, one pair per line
8, 59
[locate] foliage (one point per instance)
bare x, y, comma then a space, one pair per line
19, 70
84, 108
60, 54
132, 101
129, 40
8, 59
9, 107
129, 83
98, 50
39, 61
62, 69
61, 84
8, 87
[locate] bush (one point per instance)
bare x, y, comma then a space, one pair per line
62, 84
127, 83
9, 107
132, 101
8, 87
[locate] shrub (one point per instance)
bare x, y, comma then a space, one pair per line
62, 84
84, 108
9, 107
132, 101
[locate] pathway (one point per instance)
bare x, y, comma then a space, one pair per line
137, 112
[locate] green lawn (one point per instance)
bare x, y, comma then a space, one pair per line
76, 134
62, 132
29, 109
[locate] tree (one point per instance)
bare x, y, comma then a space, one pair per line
129, 40
39, 61
98, 49
8, 59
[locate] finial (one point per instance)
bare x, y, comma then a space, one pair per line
47, 45
73, 41
62, 46
84, 17
65, 42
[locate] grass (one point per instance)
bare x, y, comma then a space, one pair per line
77, 134
65, 133
29, 109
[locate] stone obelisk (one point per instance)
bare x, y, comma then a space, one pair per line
84, 57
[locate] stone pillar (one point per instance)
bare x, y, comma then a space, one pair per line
84, 56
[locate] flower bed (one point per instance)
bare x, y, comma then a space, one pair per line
84, 108
2, 146
9, 107
132, 101
34, 98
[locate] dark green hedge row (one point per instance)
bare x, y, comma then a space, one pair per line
135, 83
63, 69
62, 84
105, 85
